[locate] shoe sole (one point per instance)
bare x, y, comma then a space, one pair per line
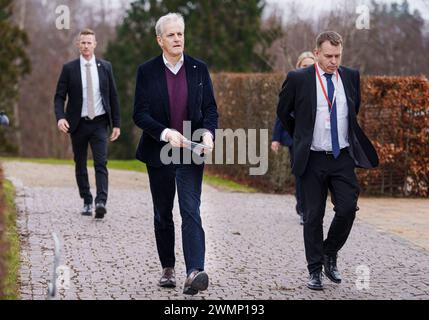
330, 278
100, 212
200, 282
86, 214
190, 291
168, 285
314, 288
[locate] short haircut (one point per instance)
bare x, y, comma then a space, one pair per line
86, 32
304, 55
170, 17
333, 37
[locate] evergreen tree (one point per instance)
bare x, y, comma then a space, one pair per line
225, 33
222, 33
14, 63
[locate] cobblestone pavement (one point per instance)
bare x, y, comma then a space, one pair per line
254, 244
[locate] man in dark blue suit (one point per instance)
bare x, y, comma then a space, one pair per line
318, 106
170, 89
88, 86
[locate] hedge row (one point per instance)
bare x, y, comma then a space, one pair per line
394, 114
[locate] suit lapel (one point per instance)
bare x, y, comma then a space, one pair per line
161, 83
102, 77
313, 93
192, 79
77, 73
347, 89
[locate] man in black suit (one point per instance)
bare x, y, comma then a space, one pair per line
170, 89
92, 106
318, 106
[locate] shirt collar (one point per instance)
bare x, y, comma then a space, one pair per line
168, 64
321, 72
83, 61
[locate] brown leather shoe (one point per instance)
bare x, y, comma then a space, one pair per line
197, 281
168, 278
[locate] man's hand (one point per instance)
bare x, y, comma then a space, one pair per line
63, 125
175, 138
275, 146
208, 141
116, 132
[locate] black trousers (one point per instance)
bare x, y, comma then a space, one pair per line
324, 173
94, 133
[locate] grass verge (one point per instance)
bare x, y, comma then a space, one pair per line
11, 241
135, 165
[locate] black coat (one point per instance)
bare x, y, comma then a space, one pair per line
152, 106
297, 111
70, 86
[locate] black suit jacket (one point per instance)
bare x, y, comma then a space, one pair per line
152, 106
281, 135
70, 86
297, 111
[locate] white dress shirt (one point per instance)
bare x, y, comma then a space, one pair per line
98, 103
175, 69
322, 133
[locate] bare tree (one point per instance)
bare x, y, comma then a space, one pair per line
49, 49
393, 45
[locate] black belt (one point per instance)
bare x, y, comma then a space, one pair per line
331, 152
98, 118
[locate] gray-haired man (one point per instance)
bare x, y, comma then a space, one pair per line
170, 89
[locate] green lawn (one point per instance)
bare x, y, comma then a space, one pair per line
227, 185
135, 165
11, 238
132, 165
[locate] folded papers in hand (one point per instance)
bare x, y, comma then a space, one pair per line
198, 148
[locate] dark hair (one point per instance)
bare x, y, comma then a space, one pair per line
87, 32
333, 37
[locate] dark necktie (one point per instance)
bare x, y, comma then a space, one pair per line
333, 117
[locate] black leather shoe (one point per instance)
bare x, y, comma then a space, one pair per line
100, 210
298, 212
315, 282
197, 281
87, 210
330, 267
168, 278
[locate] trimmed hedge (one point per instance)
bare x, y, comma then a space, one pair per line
394, 114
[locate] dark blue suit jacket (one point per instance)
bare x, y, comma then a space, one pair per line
281, 135
297, 110
152, 106
69, 88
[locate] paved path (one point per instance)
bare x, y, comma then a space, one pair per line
254, 244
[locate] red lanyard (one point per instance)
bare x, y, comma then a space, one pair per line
324, 90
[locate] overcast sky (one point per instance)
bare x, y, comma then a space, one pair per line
312, 8
309, 8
